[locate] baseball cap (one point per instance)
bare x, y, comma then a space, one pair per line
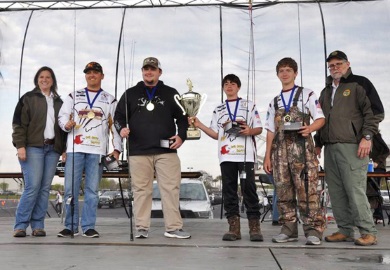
151, 61
337, 54
93, 66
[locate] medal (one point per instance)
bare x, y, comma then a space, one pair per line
150, 106
287, 118
91, 115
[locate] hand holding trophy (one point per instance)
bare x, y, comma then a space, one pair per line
191, 103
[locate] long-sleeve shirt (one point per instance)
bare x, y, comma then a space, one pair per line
93, 124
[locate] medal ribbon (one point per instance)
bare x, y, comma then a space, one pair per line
233, 118
287, 107
94, 99
151, 95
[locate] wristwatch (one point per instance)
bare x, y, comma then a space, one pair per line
367, 137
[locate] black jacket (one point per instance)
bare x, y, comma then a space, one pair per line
29, 121
147, 128
352, 114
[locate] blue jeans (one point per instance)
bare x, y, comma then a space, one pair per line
275, 212
90, 164
38, 172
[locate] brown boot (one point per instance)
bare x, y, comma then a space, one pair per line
366, 240
338, 237
234, 229
254, 230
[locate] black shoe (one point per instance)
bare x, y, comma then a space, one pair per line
91, 233
275, 223
66, 233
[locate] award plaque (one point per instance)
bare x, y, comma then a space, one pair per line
292, 126
191, 103
233, 127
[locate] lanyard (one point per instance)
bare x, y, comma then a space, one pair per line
233, 118
94, 99
287, 107
151, 95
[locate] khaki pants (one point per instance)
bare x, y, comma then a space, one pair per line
168, 176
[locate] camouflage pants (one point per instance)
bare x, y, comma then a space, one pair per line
289, 157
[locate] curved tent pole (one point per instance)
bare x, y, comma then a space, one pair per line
221, 47
300, 44
118, 53
221, 53
324, 36
22, 53
130, 212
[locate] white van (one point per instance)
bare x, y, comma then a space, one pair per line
194, 201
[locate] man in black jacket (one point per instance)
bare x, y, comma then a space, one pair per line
152, 116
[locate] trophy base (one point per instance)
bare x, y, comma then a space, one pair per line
193, 134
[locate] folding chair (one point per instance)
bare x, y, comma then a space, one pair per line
387, 209
263, 178
374, 196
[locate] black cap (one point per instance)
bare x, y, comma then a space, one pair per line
93, 66
337, 54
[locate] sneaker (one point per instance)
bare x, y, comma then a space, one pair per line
39, 233
91, 233
338, 237
67, 233
283, 238
20, 233
275, 223
366, 240
313, 241
177, 234
141, 233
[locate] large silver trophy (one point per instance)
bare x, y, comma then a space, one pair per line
191, 103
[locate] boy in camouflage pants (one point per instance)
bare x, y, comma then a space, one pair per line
291, 158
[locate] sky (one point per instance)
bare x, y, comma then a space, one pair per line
186, 40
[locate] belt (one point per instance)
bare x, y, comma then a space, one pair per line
48, 141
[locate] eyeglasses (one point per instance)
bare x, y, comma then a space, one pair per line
336, 65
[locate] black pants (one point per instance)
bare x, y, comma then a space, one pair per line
59, 207
230, 172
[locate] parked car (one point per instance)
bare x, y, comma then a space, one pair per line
386, 200
194, 201
113, 199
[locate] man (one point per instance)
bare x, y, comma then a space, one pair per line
152, 116
59, 203
290, 156
87, 114
237, 152
351, 122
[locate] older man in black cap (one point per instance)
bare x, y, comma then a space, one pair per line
352, 110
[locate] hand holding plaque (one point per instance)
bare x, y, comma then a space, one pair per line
191, 103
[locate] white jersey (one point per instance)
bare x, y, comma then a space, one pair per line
93, 125
231, 147
311, 106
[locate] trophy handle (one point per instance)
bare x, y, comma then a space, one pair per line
177, 100
202, 102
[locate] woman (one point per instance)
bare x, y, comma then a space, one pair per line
39, 142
